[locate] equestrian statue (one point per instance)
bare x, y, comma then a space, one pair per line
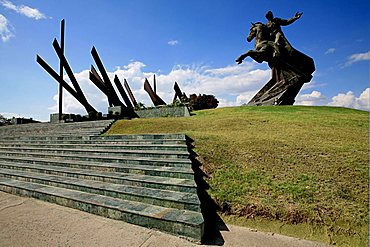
290, 68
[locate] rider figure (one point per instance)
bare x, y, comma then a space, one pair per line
274, 24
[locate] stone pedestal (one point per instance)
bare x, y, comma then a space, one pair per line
286, 81
164, 111
115, 110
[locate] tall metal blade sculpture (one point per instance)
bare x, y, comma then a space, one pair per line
153, 96
128, 89
109, 90
62, 27
68, 69
95, 78
154, 84
178, 93
76, 91
72, 91
105, 85
122, 92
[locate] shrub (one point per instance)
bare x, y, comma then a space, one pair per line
203, 101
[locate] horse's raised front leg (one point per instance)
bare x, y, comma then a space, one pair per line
240, 59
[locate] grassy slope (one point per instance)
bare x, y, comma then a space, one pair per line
306, 166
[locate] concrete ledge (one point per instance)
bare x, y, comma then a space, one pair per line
164, 111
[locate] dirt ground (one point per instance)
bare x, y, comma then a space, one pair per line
29, 222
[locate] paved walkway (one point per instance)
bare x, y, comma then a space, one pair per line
29, 222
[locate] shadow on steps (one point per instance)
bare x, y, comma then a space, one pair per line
213, 224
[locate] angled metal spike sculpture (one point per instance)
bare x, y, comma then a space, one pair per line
109, 90
153, 96
154, 84
63, 64
95, 78
105, 85
178, 93
122, 92
72, 91
128, 89
62, 27
68, 69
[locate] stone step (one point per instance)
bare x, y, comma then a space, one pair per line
65, 129
94, 145
52, 130
162, 171
36, 132
144, 137
141, 180
180, 163
159, 197
26, 133
98, 138
55, 126
86, 140
161, 154
179, 222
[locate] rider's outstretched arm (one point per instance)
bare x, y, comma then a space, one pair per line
284, 22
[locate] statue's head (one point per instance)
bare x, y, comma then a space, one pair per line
269, 15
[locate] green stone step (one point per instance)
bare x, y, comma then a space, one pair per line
103, 158
162, 171
155, 182
43, 128
142, 136
30, 133
164, 198
93, 145
91, 139
185, 223
86, 140
72, 125
146, 137
161, 154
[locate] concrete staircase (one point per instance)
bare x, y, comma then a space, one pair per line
141, 179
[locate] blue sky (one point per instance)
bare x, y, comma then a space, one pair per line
192, 42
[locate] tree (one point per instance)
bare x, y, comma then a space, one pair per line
203, 101
3, 120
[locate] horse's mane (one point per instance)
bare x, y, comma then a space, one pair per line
260, 23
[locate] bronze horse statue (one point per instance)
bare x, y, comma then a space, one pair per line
264, 44
267, 50
290, 68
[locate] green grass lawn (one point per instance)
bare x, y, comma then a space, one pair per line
295, 170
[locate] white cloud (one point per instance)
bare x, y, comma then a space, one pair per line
173, 42
314, 98
350, 100
329, 51
232, 85
245, 97
5, 27
354, 58
23, 10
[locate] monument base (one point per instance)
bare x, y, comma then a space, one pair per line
115, 110
286, 81
165, 111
